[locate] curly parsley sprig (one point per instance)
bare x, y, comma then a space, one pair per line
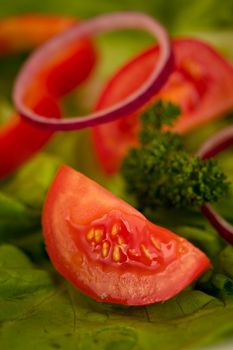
160, 173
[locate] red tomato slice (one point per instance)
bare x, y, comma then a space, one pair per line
201, 83
19, 140
70, 68
109, 250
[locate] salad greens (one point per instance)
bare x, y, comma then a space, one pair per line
43, 311
21, 199
38, 309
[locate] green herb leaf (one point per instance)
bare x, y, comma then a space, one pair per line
160, 173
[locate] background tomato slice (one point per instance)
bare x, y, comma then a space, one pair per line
201, 83
24, 32
19, 140
109, 250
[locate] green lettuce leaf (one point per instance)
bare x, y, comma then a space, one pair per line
22, 197
43, 312
31, 182
226, 261
15, 218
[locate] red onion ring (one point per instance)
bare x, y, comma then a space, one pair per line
92, 27
216, 143
211, 147
224, 228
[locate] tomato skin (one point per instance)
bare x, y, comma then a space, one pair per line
201, 83
19, 140
147, 271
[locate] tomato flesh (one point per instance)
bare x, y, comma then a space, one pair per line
109, 240
109, 250
201, 83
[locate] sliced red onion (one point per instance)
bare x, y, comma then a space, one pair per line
224, 228
216, 143
104, 23
211, 147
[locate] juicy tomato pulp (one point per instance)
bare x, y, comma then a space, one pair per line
201, 83
109, 250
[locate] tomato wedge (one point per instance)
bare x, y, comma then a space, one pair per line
109, 250
201, 83
19, 140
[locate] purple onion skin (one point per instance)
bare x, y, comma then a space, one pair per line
210, 148
216, 143
221, 225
